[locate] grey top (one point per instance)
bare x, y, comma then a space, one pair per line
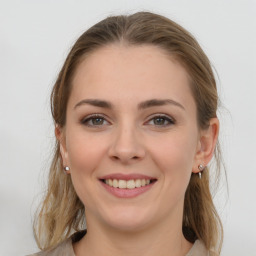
66, 249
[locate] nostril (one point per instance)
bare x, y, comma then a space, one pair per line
127, 157
124, 149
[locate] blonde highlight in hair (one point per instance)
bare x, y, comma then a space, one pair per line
62, 212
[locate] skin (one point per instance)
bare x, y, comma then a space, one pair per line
127, 139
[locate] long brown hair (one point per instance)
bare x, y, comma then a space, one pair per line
62, 212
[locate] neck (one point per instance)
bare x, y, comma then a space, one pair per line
165, 240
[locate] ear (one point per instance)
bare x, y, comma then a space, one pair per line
206, 144
60, 135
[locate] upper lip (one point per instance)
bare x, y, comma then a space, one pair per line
132, 176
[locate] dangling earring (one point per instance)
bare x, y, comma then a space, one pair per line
66, 169
201, 168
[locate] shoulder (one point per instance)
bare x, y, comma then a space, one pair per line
64, 249
198, 249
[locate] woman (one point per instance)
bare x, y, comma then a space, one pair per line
135, 112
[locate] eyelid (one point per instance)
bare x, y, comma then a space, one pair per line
164, 116
167, 117
92, 116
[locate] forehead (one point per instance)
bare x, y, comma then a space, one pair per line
136, 72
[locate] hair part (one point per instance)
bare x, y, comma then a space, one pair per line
62, 212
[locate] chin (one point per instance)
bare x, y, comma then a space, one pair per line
128, 220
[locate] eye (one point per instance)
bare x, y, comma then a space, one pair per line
94, 121
161, 120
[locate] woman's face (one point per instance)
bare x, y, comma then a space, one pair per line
131, 120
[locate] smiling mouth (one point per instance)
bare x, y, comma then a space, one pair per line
128, 184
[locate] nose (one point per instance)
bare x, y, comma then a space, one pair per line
126, 146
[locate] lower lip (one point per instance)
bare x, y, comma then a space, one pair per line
127, 193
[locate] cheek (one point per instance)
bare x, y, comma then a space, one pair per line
175, 155
84, 152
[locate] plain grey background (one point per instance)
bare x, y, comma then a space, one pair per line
35, 37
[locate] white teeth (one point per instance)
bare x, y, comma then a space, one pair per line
122, 184
137, 183
129, 184
115, 183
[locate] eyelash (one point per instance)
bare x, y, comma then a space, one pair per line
90, 118
170, 120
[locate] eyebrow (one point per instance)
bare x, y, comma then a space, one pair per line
159, 102
94, 102
142, 105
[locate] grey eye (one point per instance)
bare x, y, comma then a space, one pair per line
94, 121
161, 121
97, 121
